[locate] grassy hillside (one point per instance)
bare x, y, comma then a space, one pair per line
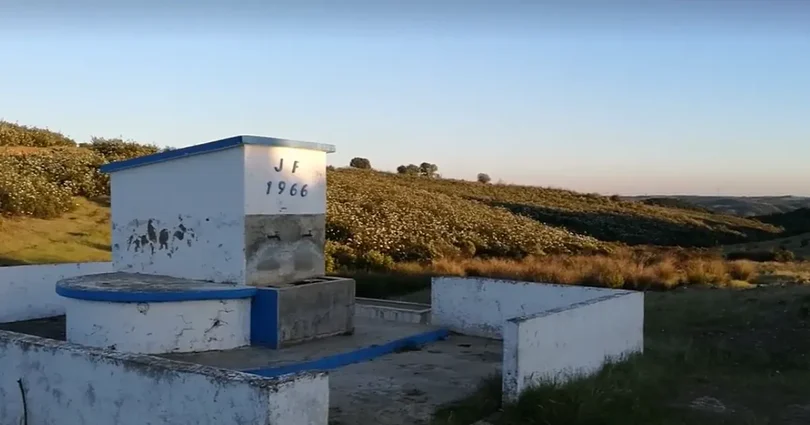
78, 236
379, 221
799, 245
793, 222
744, 206
604, 218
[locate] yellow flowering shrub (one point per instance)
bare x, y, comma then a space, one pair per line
20, 135
117, 150
30, 194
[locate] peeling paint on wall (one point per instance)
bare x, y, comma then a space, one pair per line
183, 246
158, 236
166, 220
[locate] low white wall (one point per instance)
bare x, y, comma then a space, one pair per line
67, 384
28, 292
159, 327
481, 306
391, 311
570, 342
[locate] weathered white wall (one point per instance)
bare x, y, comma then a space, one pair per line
161, 327
300, 169
28, 292
573, 341
481, 306
66, 384
181, 218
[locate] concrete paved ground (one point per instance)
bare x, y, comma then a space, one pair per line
407, 387
399, 388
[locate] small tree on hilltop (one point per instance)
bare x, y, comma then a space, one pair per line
410, 169
484, 178
361, 163
427, 169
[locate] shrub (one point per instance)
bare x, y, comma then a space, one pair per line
706, 272
374, 261
112, 150
428, 170
484, 178
28, 194
742, 270
20, 135
40, 183
75, 170
410, 169
361, 163
605, 273
784, 255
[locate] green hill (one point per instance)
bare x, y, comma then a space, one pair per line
744, 206
375, 218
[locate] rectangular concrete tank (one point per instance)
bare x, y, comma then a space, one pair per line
244, 210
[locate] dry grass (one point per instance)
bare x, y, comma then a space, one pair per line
629, 269
79, 236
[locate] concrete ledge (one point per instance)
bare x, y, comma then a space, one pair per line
355, 356
65, 383
569, 342
122, 287
26, 292
393, 311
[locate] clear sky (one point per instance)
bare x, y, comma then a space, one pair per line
689, 97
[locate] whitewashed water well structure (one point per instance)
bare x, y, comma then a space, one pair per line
218, 256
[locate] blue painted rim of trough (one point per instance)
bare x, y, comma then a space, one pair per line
356, 356
155, 296
214, 146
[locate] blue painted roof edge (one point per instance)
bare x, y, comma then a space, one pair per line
209, 147
155, 297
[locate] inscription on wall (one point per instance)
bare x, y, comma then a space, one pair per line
281, 186
283, 180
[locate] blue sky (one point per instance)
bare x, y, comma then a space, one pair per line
613, 100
